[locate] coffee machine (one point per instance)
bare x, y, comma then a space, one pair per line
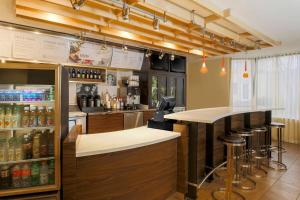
133, 92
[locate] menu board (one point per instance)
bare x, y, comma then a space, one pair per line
89, 54
127, 59
25, 45
53, 49
6, 38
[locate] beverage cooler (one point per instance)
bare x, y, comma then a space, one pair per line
30, 128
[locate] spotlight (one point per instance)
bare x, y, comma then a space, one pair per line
104, 47
172, 57
155, 23
148, 53
77, 4
161, 55
125, 12
125, 48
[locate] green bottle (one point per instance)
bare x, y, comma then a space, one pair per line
35, 174
51, 171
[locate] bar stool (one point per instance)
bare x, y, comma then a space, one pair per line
278, 164
261, 151
243, 170
231, 142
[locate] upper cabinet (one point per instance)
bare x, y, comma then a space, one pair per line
158, 62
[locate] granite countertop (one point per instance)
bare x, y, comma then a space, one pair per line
210, 115
101, 143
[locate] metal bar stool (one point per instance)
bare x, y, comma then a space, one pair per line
278, 164
245, 168
231, 142
261, 151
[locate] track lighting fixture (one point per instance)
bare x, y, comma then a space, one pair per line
124, 48
77, 4
172, 57
161, 55
155, 23
148, 53
125, 12
165, 17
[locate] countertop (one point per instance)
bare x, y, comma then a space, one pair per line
120, 111
101, 143
210, 115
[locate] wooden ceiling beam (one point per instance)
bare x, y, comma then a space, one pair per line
214, 17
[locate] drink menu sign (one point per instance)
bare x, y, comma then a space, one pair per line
127, 59
6, 38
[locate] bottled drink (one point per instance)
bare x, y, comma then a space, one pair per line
87, 74
7, 117
44, 176
51, 172
73, 73
99, 75
2, 114
41, 116
70, 73
19, 149
91, 74
5, 177
11, 149
26, 175
33, 118
50, 117
51, 93
51, 143
35, 173
78, 73
36, 145
95, 75
27, 147
16, 117
25, 117
16, 179
44, 143
3, 150
82, 74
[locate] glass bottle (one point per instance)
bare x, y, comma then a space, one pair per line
16, 117
36, 145
41, 116
51, 172
33, 118
44, 176
11, 149
26, 175
16, 179
27, 147
78, 73
50, 116
19, 149
73, 73
51, 143
35, 173
44, 143
25, 117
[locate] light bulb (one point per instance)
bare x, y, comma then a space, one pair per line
223, 71
203, 68
245, 74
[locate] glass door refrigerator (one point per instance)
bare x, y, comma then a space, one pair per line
30, 128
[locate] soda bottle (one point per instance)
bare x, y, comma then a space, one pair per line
44, 143
7, 117
19, 149
27, 147
11, 149
36, 145
16, 179
2, 114
35, 173
41, 116
44, 176
51, 143
25, 117
26, 175
50, 116
16, 117
3, 150
4, 177
33, 119
51, 172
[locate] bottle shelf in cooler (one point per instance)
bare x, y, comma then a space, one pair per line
29, 102
27, 128
25, 161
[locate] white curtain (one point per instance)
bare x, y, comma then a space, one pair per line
275, 83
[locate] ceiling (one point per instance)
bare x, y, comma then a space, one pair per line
278, 19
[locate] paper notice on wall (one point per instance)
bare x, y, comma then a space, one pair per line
6, 38
127, 59
53, 49
89, 54
26, 45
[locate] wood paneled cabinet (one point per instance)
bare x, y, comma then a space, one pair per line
105, 122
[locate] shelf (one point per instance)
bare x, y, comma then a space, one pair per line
24, 161
28, 102
27, 128
76, 80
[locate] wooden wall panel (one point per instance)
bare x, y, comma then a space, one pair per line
147, 173
219, 130
257, 119
105, 123
237, 121
201, 150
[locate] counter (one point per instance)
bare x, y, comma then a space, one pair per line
87, 145
133, 164
120, 111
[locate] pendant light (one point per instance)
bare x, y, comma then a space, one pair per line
203, 69
245, 74
223, 70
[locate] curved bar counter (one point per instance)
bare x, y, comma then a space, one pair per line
133, 164
199, 149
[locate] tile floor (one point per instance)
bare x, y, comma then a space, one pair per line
276, 186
